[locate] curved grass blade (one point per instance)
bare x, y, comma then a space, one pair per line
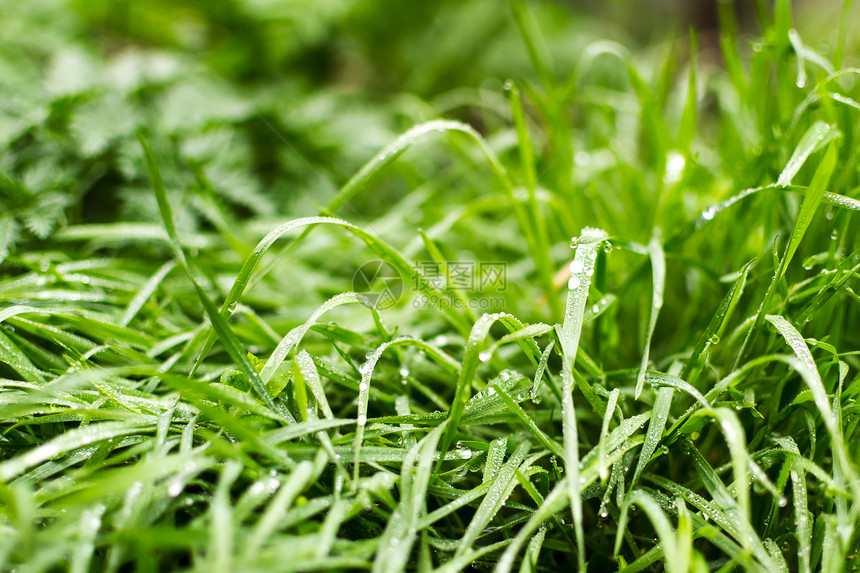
493, 501
366, 371
395, 544
817, 136
544, 357
66, 442
675, 558
811, 200
844, 471
581, 271
659, 415
291, 341
604, 432
472, 355
379, 247
558, 499
219, 322
716, 325
658, 266
144, 293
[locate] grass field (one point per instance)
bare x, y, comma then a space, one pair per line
332, 286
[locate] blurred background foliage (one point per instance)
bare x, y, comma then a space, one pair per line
275, 104
261, 110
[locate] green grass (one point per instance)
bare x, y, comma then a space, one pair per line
187, 381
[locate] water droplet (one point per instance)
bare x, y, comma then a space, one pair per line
175, 488
709, 213
257, 488
491, 391
404, 372
576, 266
607, 247
574, 242
484, 356
782, 502
834, 235
573, 283
361, 420
604, 513
505, 375
362, 387
595, 309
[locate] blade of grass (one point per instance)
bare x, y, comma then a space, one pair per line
658, 267
582, 269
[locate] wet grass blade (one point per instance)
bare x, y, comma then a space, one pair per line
658, 269
219, 323
581, 271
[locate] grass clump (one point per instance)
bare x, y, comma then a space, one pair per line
675, 388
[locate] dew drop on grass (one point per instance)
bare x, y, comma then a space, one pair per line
484, 356
595, 309
576, 266
573, 283
604, 513
257, 488
361, 420
607, 247
362, 387
782, 502
175, 488
404, 372
709, 213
